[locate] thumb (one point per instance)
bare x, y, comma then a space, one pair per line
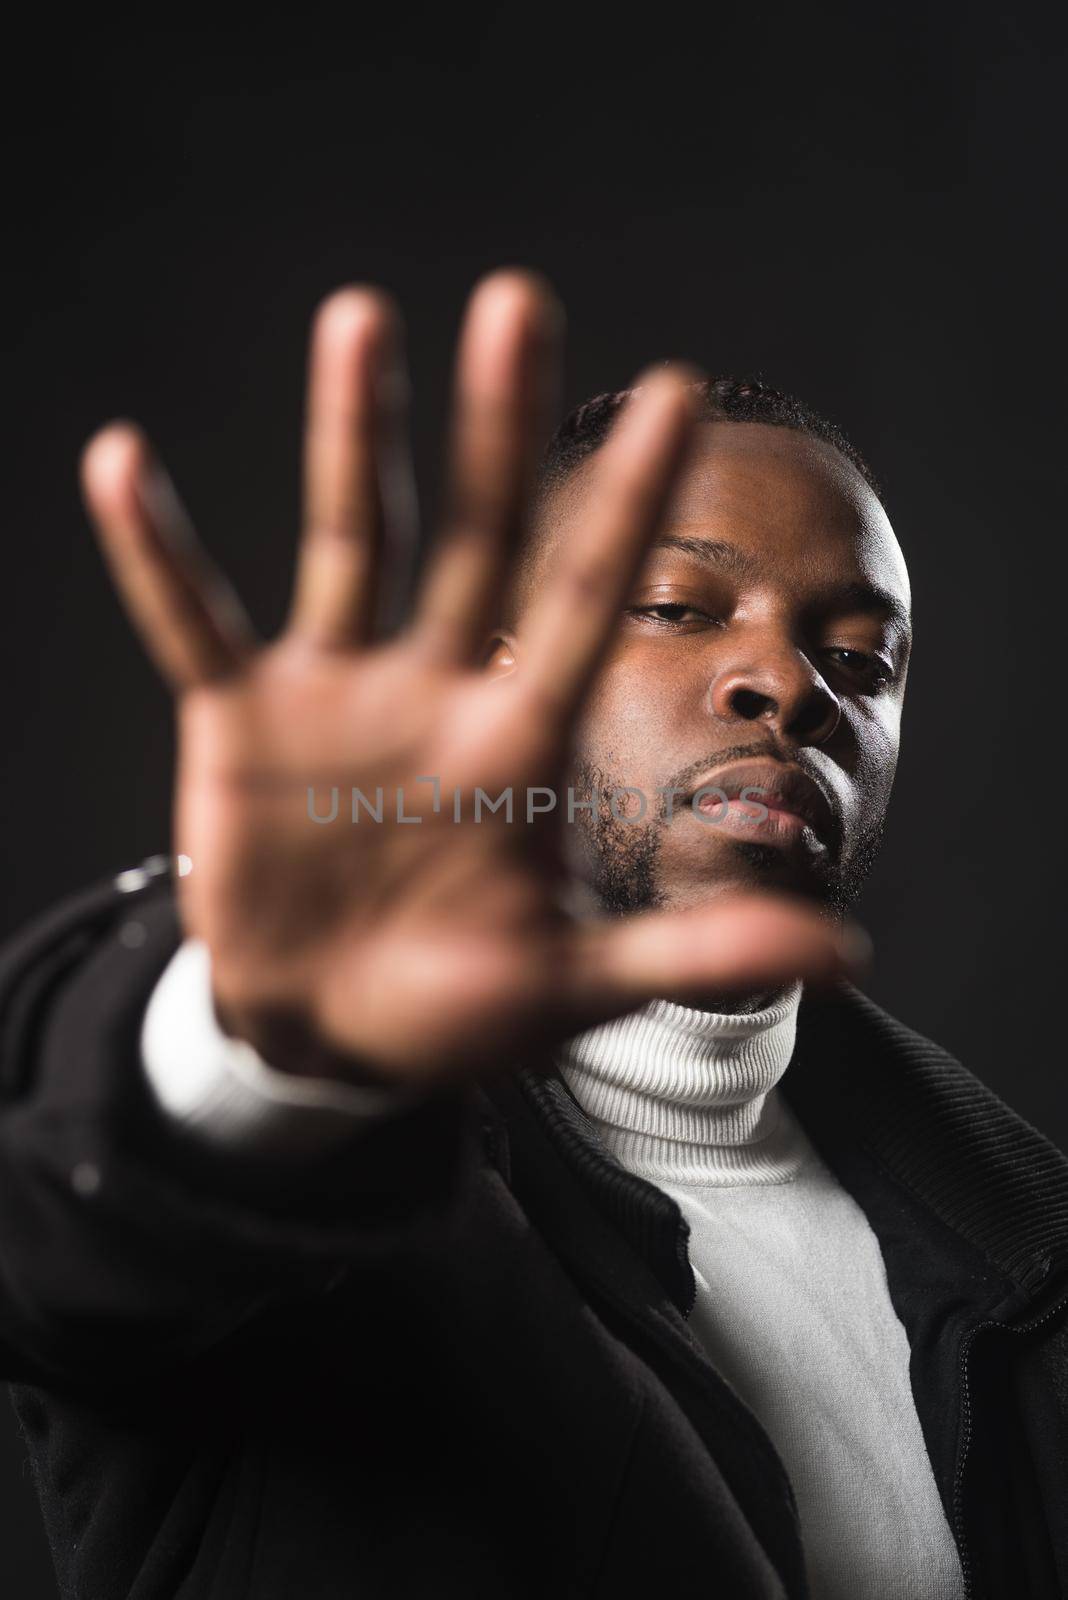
738, 944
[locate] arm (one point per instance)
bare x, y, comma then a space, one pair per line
131, 1242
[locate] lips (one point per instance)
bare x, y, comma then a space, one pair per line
784, 789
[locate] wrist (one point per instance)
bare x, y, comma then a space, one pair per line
288, 1043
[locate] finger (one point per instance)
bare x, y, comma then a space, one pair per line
358, 481
741, 944
572, 620
189, 618
507, 378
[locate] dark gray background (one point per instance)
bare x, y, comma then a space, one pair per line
863, 208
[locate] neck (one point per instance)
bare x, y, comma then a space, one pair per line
740, 1005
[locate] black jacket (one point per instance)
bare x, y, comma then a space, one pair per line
452, 1358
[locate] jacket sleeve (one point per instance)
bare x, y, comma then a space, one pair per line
130, 1243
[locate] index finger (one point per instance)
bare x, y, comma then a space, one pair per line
571, 622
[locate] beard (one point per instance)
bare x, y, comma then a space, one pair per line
623, 857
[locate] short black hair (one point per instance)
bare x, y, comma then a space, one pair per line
724, 399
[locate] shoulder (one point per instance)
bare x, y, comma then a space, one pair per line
934, 1126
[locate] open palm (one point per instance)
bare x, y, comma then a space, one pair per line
414, 949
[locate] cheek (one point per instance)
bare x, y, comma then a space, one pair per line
878, 741
636, 718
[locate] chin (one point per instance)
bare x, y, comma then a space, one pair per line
752, 868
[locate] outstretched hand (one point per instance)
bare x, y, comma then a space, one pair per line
406, 950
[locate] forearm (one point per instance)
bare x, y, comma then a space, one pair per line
131, 1241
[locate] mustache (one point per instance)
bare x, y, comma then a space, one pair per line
763, 750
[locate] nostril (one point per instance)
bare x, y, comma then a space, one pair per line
749, 704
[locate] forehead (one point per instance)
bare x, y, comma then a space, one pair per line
790, 501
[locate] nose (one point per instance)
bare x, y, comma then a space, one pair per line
777, 684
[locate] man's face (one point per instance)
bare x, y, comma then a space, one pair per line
763, 648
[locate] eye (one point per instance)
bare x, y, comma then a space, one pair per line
872, 670
667, 612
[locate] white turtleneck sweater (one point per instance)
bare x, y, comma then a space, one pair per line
792, 1302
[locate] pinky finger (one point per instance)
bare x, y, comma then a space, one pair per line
189, 618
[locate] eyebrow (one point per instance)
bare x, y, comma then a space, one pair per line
718, 552
861, 595
865, 596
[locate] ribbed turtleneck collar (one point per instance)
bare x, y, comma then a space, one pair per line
688, 1095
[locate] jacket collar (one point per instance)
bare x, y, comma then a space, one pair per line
925, 1148
887, 1106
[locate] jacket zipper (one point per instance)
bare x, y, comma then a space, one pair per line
966, 1401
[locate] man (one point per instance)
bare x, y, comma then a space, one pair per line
473, 1173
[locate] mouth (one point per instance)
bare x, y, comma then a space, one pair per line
764, 802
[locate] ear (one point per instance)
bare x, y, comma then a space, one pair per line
500, 654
